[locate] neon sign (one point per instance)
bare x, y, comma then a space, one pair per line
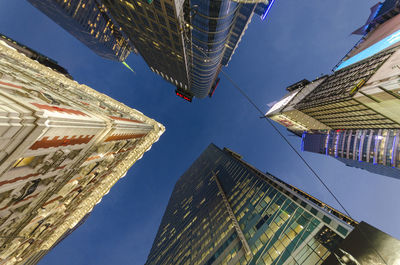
268, 9
186, 95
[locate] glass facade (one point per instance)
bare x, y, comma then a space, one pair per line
186, 42
88, 21
224, 211
155, 31
377, 151
216, 30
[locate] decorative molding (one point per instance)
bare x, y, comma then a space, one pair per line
57, 82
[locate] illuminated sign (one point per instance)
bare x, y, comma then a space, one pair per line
288, 123
372, 50
184, 95
267, 11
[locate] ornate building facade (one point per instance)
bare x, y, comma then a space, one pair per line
63, 146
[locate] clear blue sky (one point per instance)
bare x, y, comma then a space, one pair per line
300, 39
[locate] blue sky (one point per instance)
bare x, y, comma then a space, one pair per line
299, 39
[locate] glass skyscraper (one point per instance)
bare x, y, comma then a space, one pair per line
224, 211
89, 22
377, 151
186, 42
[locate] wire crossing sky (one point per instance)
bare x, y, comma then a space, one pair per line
299, 39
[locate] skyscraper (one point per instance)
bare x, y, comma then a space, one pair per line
89, 22
63, 146
284, 111
224, 211
377, 151
186, 42
354, 112
364, 95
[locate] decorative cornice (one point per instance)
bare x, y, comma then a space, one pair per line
102, 189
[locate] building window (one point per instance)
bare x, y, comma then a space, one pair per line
165, 32
313, 211
150, 14
169, 9
172, 25
342, 230
157, 4
161, 19
326, 219
155, 27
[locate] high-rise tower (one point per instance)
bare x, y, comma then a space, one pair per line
364, 95
186, 42
89, 22
63, 146
377, 151
354, 112
224, 211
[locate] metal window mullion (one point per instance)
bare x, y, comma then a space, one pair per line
354, 147
252, 185
273, 219
323, 112
265, 194
302, 232
233, 218
283, 232
348, 144
369, 141
395, 147
386, 139
271, 201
